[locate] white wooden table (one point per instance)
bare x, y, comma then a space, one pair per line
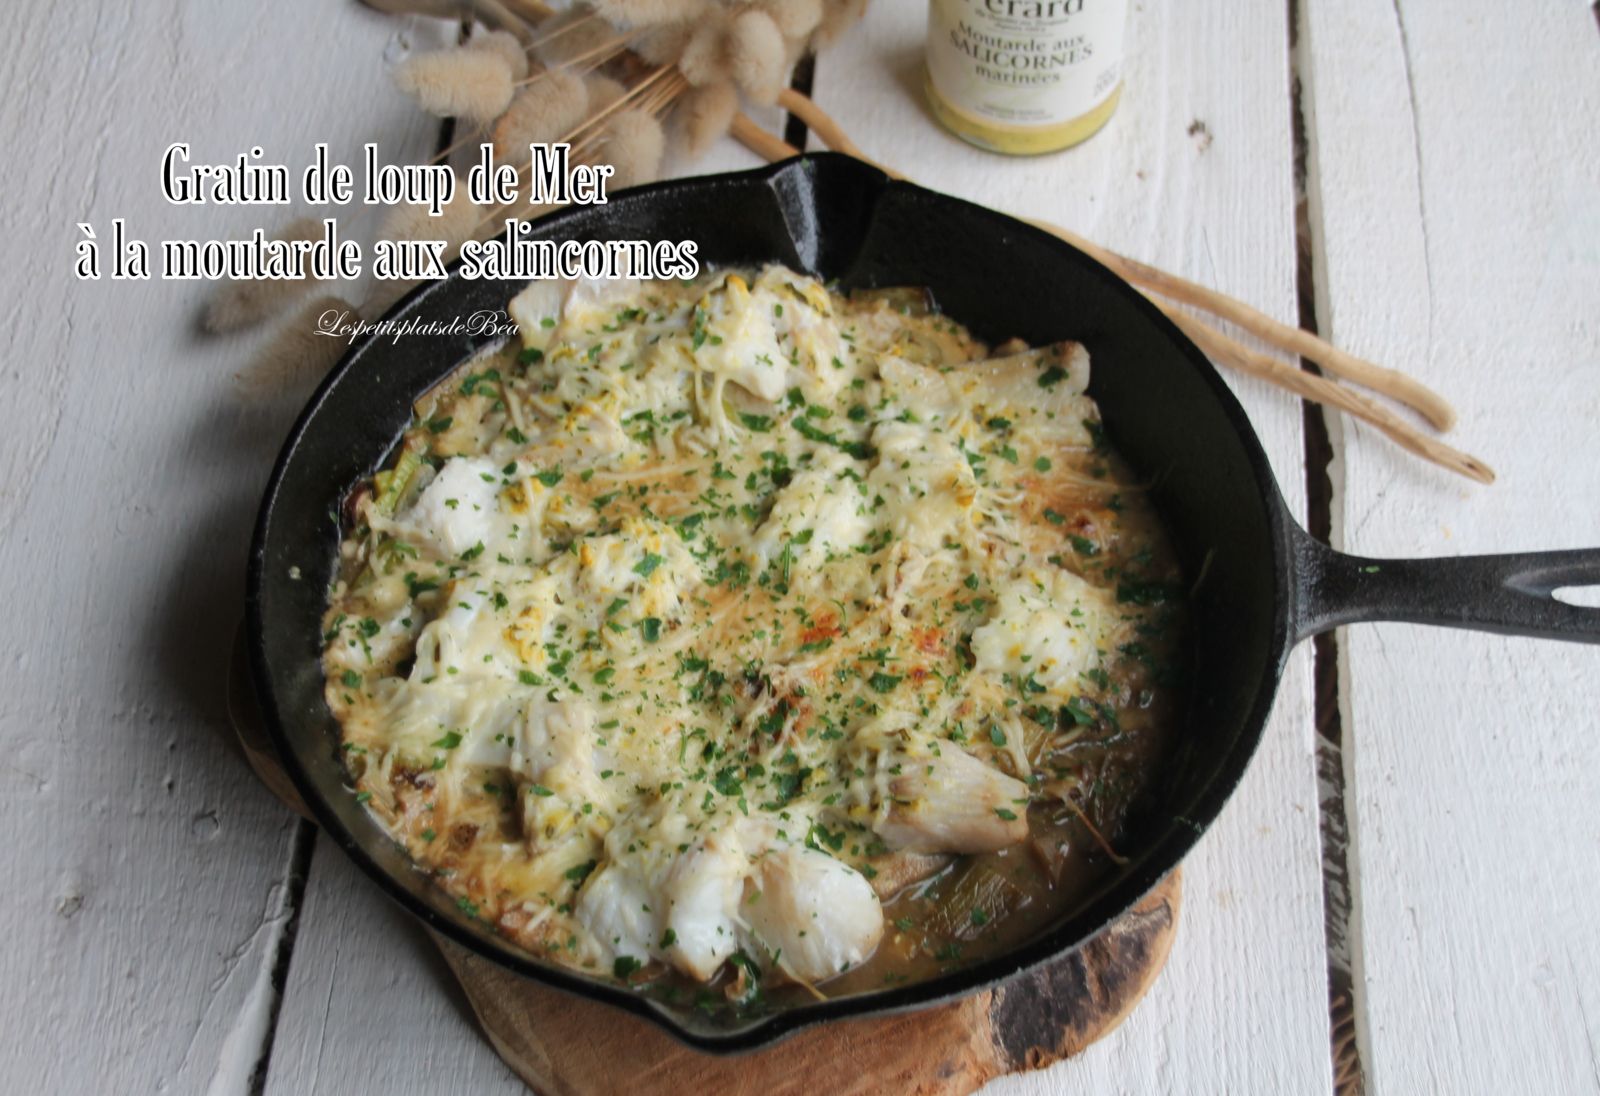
169, 928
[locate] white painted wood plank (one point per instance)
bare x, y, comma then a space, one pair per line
370, 1005
1242, 1006
1456, 167
146, 887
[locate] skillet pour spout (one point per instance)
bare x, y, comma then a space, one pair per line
1266, 583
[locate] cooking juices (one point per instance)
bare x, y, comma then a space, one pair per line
1025, 76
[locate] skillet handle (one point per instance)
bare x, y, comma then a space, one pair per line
1509, 594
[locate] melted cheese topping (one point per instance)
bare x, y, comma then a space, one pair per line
674, 620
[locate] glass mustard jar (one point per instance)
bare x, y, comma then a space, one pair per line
1025, 76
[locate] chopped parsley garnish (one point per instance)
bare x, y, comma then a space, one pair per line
860, 450
884, 683
471, 385
1078, 710
822, 839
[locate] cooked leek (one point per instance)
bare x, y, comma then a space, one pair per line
392, 486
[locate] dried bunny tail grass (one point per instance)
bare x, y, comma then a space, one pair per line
838, 16
575, 36
634, 144
299, 354
756, 52
793, 50
603, 91
632, 14
504, 45
795, 18
245, 302
470, 84
543, 113
455, 224
663, 45
705, 115
704, 59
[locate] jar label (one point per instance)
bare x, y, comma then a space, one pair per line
1026, 62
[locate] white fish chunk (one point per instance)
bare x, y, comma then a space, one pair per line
1050, 624
537, 310
928, 796
615, 908
916, 389
816, 915
1047, 378
702, 893
741, 343
820, 514
458, 510
555, 763
927, 485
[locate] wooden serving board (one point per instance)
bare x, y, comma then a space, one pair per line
563, 1045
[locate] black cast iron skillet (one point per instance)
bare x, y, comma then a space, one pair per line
1266, 584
